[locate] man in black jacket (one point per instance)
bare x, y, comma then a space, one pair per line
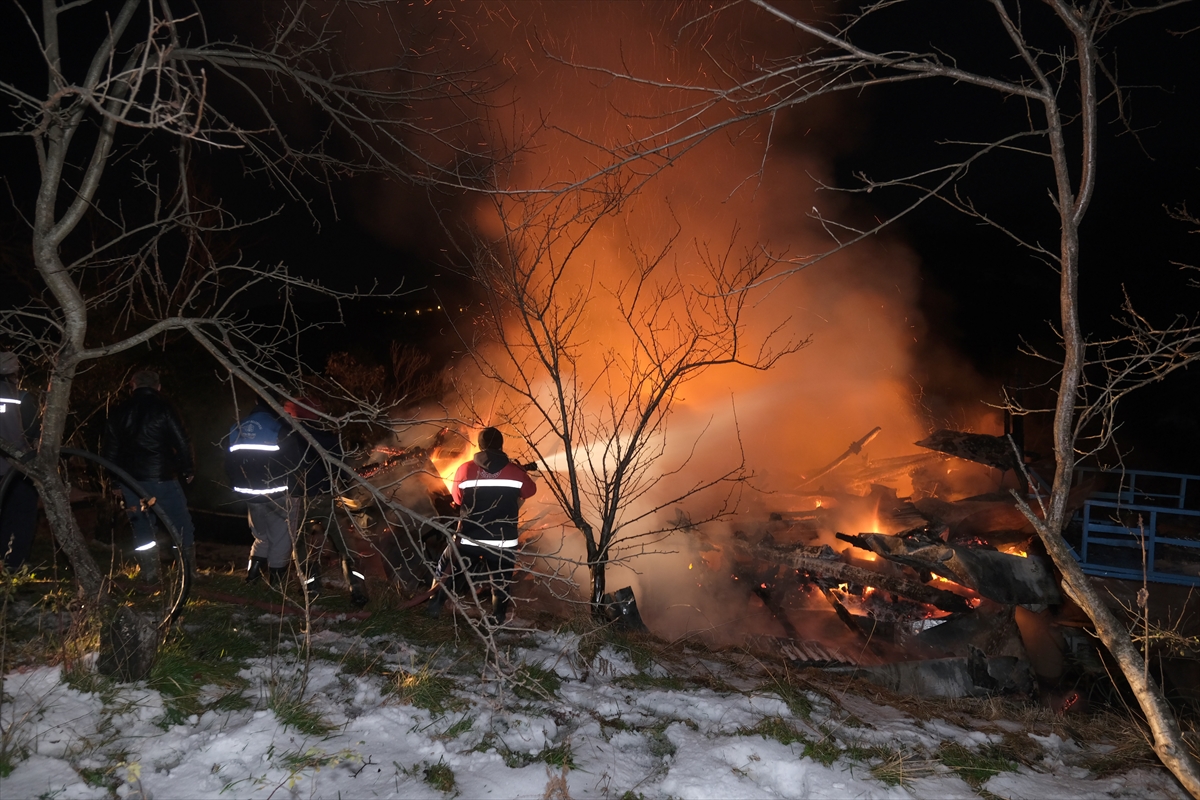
20, 427
145, 437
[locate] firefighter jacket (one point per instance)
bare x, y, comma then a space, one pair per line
263, 455
313, 476
18, 420
145, 437
490, 489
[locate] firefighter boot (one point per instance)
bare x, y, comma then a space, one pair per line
147, 564
277, 577
255, 569
358, 583
500, 605
434, 609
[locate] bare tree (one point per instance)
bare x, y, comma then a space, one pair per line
1059, 74
589, 361
120, 112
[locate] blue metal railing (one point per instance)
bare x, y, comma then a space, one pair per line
1139, 523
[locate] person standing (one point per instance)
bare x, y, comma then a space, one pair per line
145, 437
19, 426
261, 463
313, 490
489, 490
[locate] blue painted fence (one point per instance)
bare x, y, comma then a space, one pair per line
1136, 522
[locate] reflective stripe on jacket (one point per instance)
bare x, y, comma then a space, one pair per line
489, 488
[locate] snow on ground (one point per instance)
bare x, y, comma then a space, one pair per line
610, 728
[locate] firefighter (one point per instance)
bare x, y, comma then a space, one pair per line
261, 463
20, 427
314, 491
489, 490
145, 437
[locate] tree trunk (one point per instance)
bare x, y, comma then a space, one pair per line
598, 591
1072, 206
1168, 739
65, 529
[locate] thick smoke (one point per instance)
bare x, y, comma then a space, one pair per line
858, 308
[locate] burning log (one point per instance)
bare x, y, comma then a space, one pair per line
814, 563
1001, 577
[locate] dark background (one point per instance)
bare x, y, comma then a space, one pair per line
981, 294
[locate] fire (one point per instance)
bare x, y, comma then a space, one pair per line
972, 597
447, 467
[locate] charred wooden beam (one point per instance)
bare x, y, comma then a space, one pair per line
991, 451
997, 576
805, 560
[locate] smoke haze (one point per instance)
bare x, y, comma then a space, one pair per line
858, 309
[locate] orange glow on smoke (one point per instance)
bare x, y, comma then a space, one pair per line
860, 310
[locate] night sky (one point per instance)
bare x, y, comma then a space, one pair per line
980, 294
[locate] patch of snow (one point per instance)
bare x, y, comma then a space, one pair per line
613, 738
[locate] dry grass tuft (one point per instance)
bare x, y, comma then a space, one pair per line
902, 767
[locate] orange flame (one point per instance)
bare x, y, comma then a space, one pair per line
446, 467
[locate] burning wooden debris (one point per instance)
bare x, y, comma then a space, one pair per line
991, 451
1001, 577
948, 601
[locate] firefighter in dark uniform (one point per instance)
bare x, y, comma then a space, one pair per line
262, 462
489, 491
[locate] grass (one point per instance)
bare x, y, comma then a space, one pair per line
298, 714
187, 662
558, 756
775, 728
657, 742
793, 696
824, 751
314, 758
975, 766
355, 663
457, 729
900, 768
428, 690
10, 756
641, 681
102, 777
531, 682
410, 624
440, 776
